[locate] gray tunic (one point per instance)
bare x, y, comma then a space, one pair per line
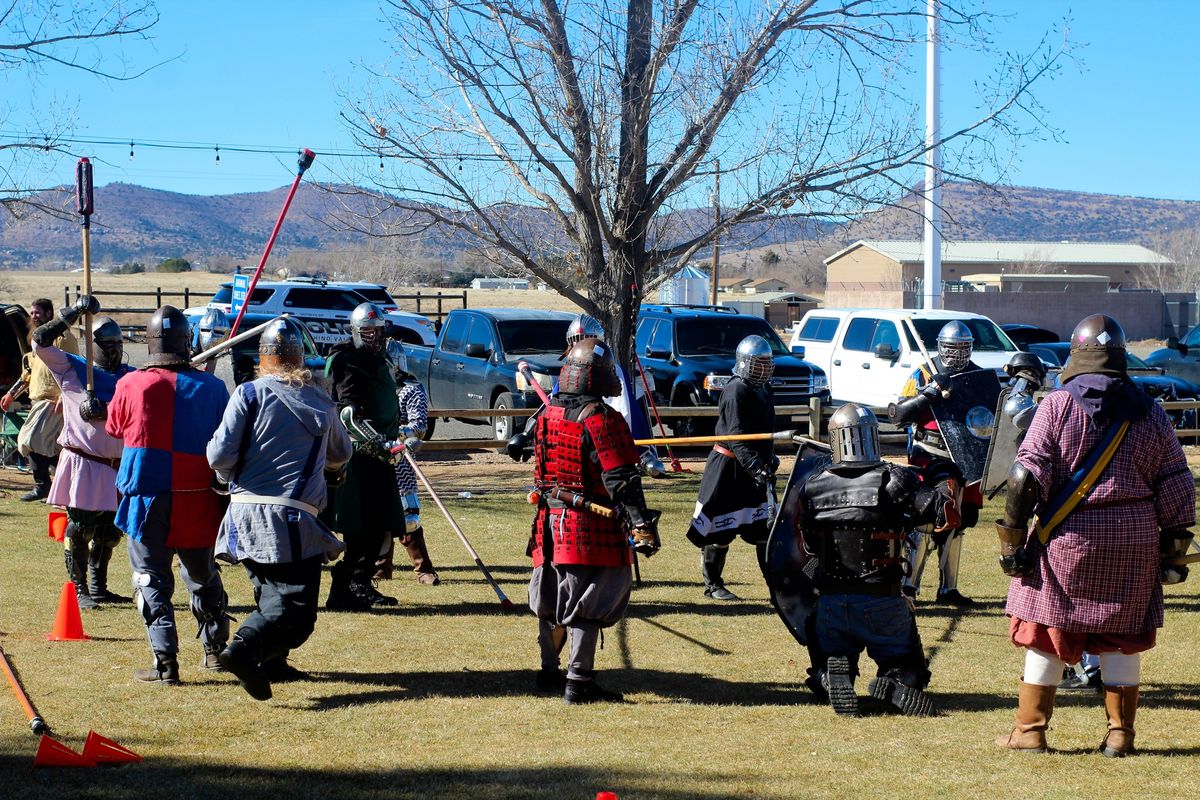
275, 441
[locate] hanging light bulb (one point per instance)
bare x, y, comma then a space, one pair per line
217, 148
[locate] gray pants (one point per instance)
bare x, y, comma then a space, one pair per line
582, 600
154, 583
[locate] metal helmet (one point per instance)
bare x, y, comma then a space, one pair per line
584, 327
854, 435
1026, 365
753, 361
955, 344
214, 327
110, 348
1097, 332
167, 338
368, 327
281, 347
589, 368
399, 359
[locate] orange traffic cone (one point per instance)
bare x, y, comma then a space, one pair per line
606, 796
103, 750
56, 526
68, 625
53, 753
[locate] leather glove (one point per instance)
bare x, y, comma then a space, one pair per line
644, 537
84, 304
774, 468
6, 402
762, 478
412, 444
519, 448
93, 409
1173, 544
1014, 562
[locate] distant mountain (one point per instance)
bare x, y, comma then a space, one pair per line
147, 225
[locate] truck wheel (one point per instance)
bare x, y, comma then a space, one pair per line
430, 425
504, 427
691, 426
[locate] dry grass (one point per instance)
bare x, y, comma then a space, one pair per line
432, 699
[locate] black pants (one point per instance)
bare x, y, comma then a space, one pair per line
286, 613
41, 471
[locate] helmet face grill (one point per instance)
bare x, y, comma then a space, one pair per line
753, 361
584, 327
955, 356
854, 435
367, 327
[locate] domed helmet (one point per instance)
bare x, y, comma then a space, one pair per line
110, 349
753, 361
1026, 365
395, 354
589, 368
1098, 332
281, 347
214, 327
368, 327
854, 435
955, 344
167, 338
584, 327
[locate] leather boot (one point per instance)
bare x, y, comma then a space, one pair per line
1035, 706
384, 564
98, 558
1120, 702
77, 559
418, 553
164, 671
712, 566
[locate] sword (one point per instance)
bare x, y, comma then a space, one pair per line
219, 348
574, 500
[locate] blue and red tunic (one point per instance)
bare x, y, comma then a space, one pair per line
166, 418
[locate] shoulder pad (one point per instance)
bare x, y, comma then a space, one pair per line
611, 438
902, 482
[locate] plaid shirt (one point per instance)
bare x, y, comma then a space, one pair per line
1099, 572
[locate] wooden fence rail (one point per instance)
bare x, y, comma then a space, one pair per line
188, 296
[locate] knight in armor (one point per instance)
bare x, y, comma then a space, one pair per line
737, 492
86, 479
213, 329
928, 453
585, 461
1100, 502
165, 413
365, 508
414, 421
279, 437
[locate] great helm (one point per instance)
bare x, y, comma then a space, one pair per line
167, 338
589, 368
955, 344
214, 327
367, 327
106, 335
584, 327
281, 347
854, 435
753, 361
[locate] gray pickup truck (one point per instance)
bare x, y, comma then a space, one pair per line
473, 363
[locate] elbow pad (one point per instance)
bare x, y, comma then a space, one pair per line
1022, 496
46, 335
908, 410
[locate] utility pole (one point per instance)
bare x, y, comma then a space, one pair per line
716, 204
932, 288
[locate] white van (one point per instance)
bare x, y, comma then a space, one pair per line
869, 353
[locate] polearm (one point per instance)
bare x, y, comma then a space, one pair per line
781, 436
505, 603
36, 723
84, 205
306, 160
220, 347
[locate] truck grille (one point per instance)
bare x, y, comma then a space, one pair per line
791, 386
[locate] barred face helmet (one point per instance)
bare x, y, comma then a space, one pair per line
753, 361
110, 350
167, 338
584, 327
854, 435
368, 327
395, 354
281, 347
955, 344
589, 368
214, 327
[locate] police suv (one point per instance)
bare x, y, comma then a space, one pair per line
324, 307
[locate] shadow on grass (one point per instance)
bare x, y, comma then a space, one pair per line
202, 780
683, 687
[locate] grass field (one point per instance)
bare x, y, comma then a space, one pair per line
433, 698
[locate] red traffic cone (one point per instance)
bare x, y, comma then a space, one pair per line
53, 753
606, 796
56, 526
68, 625
103, 750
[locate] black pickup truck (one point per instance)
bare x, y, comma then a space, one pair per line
473, 364
687, 353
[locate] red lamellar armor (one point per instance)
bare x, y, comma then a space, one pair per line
564, 459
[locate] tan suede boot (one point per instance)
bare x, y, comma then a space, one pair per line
418, 553
1035, 706
1120, 702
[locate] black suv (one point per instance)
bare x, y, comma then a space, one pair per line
687, 353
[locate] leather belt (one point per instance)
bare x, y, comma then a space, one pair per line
113, 463
725, 451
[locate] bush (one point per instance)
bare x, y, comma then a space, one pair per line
129, 268
174, 265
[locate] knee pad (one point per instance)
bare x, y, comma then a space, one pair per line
1120, 669
1042, 668
141, 581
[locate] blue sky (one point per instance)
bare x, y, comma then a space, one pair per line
263, 72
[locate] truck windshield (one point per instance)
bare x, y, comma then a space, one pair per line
720, 336
988, 336
521, 337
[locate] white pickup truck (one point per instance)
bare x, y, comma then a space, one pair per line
869, 353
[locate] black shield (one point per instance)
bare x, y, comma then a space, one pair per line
787, 568
965, 419
1002, 450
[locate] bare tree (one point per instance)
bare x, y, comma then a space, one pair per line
608, 117
39, 35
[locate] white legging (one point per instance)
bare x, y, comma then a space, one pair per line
1116, 669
